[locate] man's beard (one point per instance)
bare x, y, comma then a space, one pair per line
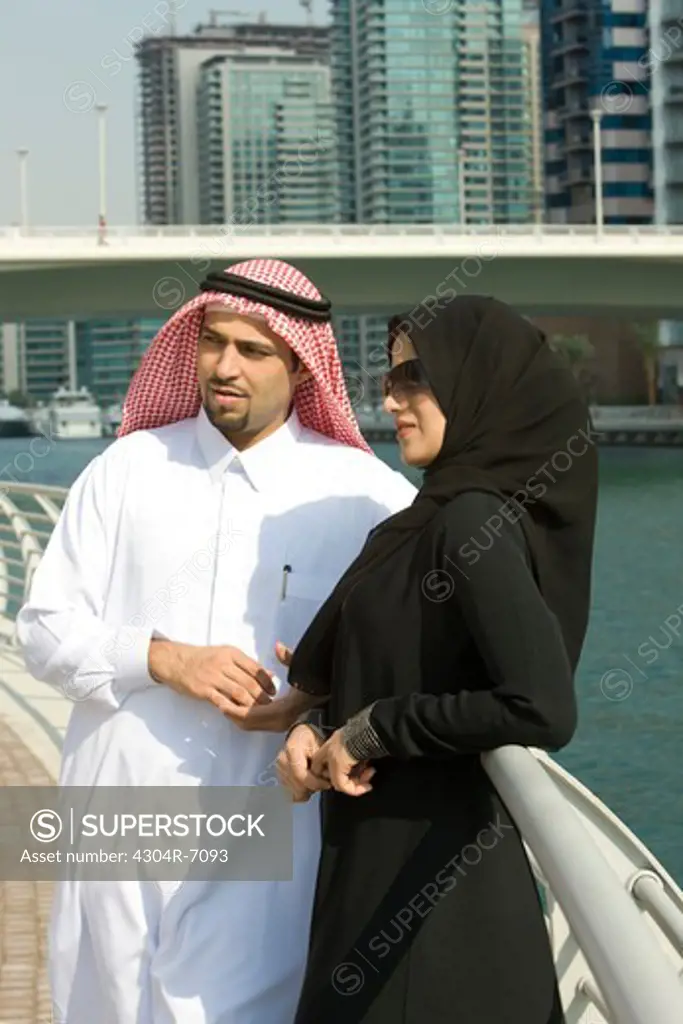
234, 426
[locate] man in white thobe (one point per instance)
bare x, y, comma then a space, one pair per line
211, 530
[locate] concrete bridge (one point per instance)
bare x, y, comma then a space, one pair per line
544, 269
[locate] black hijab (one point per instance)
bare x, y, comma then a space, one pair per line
516, 426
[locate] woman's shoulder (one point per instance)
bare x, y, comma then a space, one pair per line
477, 516
470, 506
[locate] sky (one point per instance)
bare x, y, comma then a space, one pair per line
59, 59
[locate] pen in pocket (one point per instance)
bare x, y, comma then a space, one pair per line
286, 569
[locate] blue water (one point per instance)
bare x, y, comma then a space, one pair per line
630, 681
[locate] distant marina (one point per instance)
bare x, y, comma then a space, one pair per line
74, 414
70, 414
621, 426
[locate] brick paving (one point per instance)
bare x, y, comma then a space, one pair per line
24, 908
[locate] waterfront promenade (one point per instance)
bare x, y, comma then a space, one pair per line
615, 916
33, 718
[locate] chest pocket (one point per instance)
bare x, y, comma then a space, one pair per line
303, 596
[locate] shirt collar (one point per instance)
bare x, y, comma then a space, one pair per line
263, 463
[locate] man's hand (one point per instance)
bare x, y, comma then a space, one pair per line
280, 714
225, 676
293, 764
333, 761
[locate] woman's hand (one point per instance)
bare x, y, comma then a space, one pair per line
293, 764
282, 712
346, 775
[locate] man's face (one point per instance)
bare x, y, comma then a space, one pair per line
247, 376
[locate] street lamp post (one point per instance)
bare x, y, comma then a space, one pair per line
102, 219
596, 114
23, 188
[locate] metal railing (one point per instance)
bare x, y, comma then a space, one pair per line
619, 970
640, 413
28, 514
617, 937
132, 233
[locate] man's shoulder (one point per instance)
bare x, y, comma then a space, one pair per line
354, 466
155, 443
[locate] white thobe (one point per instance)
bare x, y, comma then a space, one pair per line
173, 533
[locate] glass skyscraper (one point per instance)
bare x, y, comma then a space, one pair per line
265, 132
172, 76
40, 356
664, 68
437, 121
593, 58
432, 112
108, 353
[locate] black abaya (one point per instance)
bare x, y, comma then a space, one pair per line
426, 909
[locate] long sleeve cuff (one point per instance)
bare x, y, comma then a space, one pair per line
360, 739
132, 665
107, 672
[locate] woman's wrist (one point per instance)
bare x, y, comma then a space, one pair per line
311, 719
360, 738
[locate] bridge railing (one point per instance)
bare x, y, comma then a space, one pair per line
610, 968
336, 230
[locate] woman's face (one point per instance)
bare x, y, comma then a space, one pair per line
420, 423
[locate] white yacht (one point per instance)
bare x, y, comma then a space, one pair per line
14, 422
70, 414
111, 419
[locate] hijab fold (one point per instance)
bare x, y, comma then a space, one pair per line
517, 426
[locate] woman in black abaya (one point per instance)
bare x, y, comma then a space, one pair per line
457, 630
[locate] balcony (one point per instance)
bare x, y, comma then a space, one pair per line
574, 73
578, 176
577, 141
569, 11
578, 44
573, 112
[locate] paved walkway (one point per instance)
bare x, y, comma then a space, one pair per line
32, 723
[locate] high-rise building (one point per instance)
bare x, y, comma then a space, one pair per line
41, 355
438, 122
265, 140
38, 356
170, 79
432, 112
593, 60
108, 353
533, 87
664, 82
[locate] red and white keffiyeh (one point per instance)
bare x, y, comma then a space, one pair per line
165, 389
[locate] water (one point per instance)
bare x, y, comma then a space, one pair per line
630, 680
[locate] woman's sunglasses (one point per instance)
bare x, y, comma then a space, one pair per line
405, 379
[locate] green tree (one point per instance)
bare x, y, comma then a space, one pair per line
576, 349
647, 338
